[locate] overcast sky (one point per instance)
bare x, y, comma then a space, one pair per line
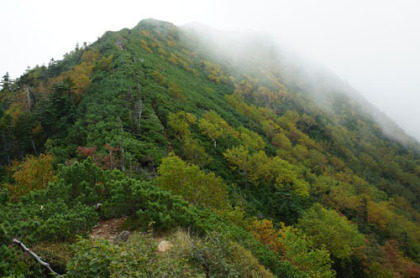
374, 45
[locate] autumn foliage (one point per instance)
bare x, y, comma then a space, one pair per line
265, 233
32, 174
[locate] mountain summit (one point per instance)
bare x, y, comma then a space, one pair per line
245, 160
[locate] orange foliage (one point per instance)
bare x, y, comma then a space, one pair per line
395, 262
33, 173
87, 151
264, 232
37, 129
81, 73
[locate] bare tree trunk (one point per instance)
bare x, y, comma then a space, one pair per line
33, 146
28, 95
139, 109
138, 87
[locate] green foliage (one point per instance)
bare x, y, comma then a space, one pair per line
10, 264
147, 205
327, 228
299, 251
56, 254
60, 110
191, 183
92, 260
259, 168
194, 152
236, 261
84, 182
281, 204
33, 220
214, 256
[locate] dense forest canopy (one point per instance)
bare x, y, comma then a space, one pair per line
249, 164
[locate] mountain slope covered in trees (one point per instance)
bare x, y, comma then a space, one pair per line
250, 164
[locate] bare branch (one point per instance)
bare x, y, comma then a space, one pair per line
37, 258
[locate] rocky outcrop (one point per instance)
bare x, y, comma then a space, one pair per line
122, 237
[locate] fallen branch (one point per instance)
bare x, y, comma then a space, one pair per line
37, 258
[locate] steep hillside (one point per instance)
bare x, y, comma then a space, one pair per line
251, 163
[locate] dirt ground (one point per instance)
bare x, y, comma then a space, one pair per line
108, 229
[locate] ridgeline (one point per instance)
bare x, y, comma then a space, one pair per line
241, 159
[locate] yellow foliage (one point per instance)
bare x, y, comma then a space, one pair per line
105, 63
264, 97
177, 58
193, 184
171, 43
14, 111
378, 214
146, 34
282, 142
342, 198
180, 122
173, 59
246, 261
162, 51
144, 45
159, 78
216, 73
238, 158
175, 91
91, 56
215, 127
80, 75
251, 139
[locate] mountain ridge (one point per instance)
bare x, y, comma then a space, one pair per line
158, 125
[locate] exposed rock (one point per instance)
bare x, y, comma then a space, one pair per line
108, 229
164, 246
120, 44
121, 237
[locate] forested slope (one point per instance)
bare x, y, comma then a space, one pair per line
249, 166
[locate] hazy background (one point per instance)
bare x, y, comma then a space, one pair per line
373, 45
